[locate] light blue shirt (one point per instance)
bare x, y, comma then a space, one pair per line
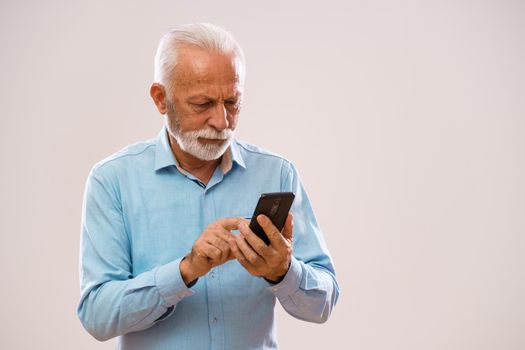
142, 214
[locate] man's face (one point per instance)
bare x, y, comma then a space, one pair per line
204, 104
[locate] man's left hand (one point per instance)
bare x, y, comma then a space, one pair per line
269, 261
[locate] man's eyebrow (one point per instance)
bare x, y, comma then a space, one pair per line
235, 96
200, 97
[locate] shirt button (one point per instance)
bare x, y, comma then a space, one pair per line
214, 321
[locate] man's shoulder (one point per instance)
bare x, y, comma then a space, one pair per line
139, 151
264, 162
257, 152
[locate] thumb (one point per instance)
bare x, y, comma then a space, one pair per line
288, 227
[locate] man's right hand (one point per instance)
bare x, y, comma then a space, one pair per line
211, 249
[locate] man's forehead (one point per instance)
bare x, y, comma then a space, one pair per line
183, 78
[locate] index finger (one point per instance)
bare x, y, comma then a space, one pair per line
275, 237
230, 223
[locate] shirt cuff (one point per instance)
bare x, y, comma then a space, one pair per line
290, 284
170, 284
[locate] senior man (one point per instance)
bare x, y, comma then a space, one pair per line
162, 263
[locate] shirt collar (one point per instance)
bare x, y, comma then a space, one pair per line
164, 155
236, 153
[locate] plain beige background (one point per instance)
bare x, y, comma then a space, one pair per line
406, 120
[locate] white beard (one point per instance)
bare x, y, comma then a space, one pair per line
189, 141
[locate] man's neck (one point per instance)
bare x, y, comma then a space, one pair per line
201, 169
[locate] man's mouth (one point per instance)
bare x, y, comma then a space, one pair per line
214, 141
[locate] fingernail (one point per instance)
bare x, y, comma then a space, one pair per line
243, 226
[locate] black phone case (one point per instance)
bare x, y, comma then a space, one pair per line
275, 206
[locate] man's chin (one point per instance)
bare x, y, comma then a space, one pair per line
207, 153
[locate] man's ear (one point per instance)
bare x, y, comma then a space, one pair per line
158, 94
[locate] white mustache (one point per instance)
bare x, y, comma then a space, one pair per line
210, 133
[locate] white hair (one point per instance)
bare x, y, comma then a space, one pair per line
203, 35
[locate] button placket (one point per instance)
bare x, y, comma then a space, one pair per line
213, 284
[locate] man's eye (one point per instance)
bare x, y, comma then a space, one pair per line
230, 102
202, 105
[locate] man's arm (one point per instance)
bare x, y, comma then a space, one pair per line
113, 301
309, 290
297, 259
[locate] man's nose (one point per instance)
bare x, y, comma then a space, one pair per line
219, 117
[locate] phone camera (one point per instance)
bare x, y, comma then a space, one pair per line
275, 206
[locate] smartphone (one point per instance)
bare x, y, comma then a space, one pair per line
275, 206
